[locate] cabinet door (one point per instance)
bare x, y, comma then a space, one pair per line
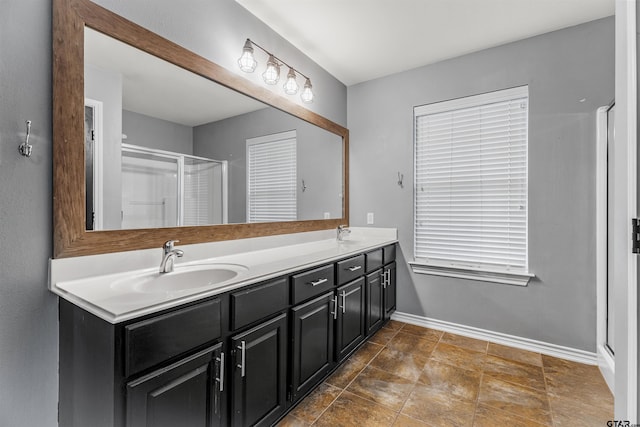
259, 373
375, 302
389, 278
312, 352
350, 317
186, 393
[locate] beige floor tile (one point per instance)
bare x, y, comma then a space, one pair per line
487, 416
422, 332
514, 372
349, 410
518, 400
588, 389
395, 325
316, 403
404, 421
438, 408
554, 365
458, 356
383, 336
516, 354
291, 421
409, 343
382, 387
465, 342
346, 373
407, 365
569, 412
461, 383
367, 352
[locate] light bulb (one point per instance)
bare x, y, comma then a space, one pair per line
247, 62
291, 85
272, 74
307, 93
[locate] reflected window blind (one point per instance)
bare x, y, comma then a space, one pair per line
471, 182
271, 178
198, 198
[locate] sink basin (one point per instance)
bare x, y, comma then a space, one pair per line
181, 279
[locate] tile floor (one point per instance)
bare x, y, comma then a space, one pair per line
406, 375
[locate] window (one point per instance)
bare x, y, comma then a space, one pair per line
271, 178
470, 207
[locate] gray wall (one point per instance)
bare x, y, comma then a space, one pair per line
152, 132
319, 159
570, 73
28, 311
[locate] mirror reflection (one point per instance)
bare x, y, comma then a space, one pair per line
165, 147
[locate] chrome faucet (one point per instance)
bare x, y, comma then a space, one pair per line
169, 257
341, 232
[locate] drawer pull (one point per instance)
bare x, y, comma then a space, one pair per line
242, 348
354, 268
220, 379
319, 282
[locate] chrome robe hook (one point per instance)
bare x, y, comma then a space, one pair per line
25, 147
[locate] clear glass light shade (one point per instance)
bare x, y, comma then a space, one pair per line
291, 85
247, 62
307, 93
272, 74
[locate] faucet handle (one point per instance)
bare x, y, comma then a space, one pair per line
168, 245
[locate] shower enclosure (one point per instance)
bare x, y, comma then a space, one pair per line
166, 189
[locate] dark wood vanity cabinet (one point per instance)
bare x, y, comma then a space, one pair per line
375, 301
350, 317
389, 286
189, 393
259, 374
312, 357
241, 358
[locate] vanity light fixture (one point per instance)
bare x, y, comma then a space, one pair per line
247, 62
271, 75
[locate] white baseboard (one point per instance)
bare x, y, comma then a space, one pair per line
607, 366
554, 350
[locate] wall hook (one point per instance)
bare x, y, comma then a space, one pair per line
25, 147
304, 186
400, 180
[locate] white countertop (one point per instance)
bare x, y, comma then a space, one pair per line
88, 282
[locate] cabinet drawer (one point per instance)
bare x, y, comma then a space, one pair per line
389, 254
374, 260
350, 269
311, 283
258, 302
160, 338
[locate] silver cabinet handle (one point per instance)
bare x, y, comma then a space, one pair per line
242, 347
344, 302
319, 282
354, 268
383, 280
334, 300
220, 378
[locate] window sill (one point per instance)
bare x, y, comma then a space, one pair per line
517, 279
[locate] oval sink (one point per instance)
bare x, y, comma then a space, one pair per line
181, 279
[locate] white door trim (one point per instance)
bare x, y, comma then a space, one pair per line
625, 208
98, 174
605, 359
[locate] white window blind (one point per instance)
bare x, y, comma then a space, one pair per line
471, 182
271, 178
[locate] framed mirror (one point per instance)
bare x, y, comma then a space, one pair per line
153, 142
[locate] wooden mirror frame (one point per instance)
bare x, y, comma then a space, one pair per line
70, 236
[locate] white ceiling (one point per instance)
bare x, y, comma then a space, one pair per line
360, 40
